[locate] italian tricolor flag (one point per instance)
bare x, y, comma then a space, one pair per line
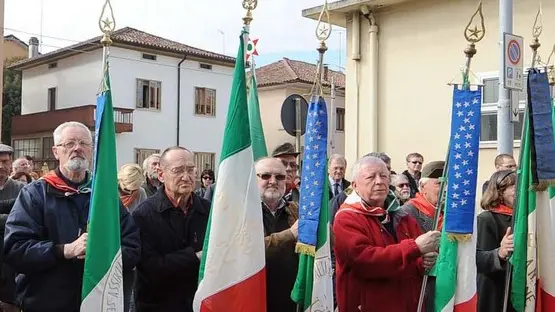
103, 277
533, 276
232, 272
456, 275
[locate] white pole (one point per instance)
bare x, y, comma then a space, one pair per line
333, 119
505, 129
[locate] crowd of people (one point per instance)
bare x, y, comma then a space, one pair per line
384, 236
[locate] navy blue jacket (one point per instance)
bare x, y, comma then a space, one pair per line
169, 267
41, 221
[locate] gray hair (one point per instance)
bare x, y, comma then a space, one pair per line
146, 163
16, 163
397, 178
423, 182
337, 157
383, 156
58, 131
364, 161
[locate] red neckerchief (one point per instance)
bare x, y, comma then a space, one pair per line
289, 187
502, 209
58, 183
424, 206
354, 203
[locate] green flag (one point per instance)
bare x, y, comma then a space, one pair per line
257, 131
103, 279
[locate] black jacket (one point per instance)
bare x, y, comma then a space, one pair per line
169, 267
345, 184
7, 275
491, 270
412, 183
42, 219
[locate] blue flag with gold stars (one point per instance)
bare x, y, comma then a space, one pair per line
313, 178
463, 161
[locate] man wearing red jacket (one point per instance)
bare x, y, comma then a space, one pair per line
380, 250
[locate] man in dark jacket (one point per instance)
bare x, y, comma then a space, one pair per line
9, 190
172, 223
336, 175
280, 235
46, 232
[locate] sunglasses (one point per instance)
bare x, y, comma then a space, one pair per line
403, 185
416, 162
207, 178
268, 176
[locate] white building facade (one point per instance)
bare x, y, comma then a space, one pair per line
151, 87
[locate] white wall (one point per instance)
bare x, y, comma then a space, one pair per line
77, 79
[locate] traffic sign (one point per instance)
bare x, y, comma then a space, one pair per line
512, 62
289, 114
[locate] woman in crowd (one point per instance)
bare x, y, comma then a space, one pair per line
207, 179
130, 179
495, 241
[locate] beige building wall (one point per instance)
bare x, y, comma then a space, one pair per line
271, 99
12, 49
421, 47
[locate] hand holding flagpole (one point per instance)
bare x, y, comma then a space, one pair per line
473, 33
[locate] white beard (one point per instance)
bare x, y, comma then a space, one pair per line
77, 164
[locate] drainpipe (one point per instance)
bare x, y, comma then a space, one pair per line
373, 61
355, 52
179, 95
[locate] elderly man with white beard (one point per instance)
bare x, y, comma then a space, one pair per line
280, 231
46, 231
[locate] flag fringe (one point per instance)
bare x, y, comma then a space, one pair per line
305, 249
460, 238
542, 185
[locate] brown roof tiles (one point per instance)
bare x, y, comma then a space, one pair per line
290, 71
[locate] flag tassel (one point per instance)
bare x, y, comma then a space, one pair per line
305, 249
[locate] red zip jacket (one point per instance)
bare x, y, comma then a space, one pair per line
374, 272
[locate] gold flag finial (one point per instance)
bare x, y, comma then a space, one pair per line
475, 30
249, 5
537, 30
323, 28
107, 23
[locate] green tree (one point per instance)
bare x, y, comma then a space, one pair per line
12, 99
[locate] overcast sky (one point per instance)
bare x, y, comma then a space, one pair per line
282, 31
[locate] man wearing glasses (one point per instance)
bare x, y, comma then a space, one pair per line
280, 230
414, 167
172, 225
46, 232
286, 153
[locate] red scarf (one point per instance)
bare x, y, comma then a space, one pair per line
128, 199
58, 183
423, 205
289, 187
502, 209
354, 203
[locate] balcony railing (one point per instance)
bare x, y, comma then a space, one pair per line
48, 121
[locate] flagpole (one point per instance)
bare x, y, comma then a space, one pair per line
107, 24
472, 36
537, 30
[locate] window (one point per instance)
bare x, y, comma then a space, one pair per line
151, 57
142, 153
51, 99
488, 119
205, 66
31, 147
340, 119
205, 101
204, 161
149, 94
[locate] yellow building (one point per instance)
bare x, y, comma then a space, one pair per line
14, 47
278, 80
402, 61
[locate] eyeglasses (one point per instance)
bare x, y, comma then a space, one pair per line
403, 185
73, 144
268, 176
414, 162
207, 178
